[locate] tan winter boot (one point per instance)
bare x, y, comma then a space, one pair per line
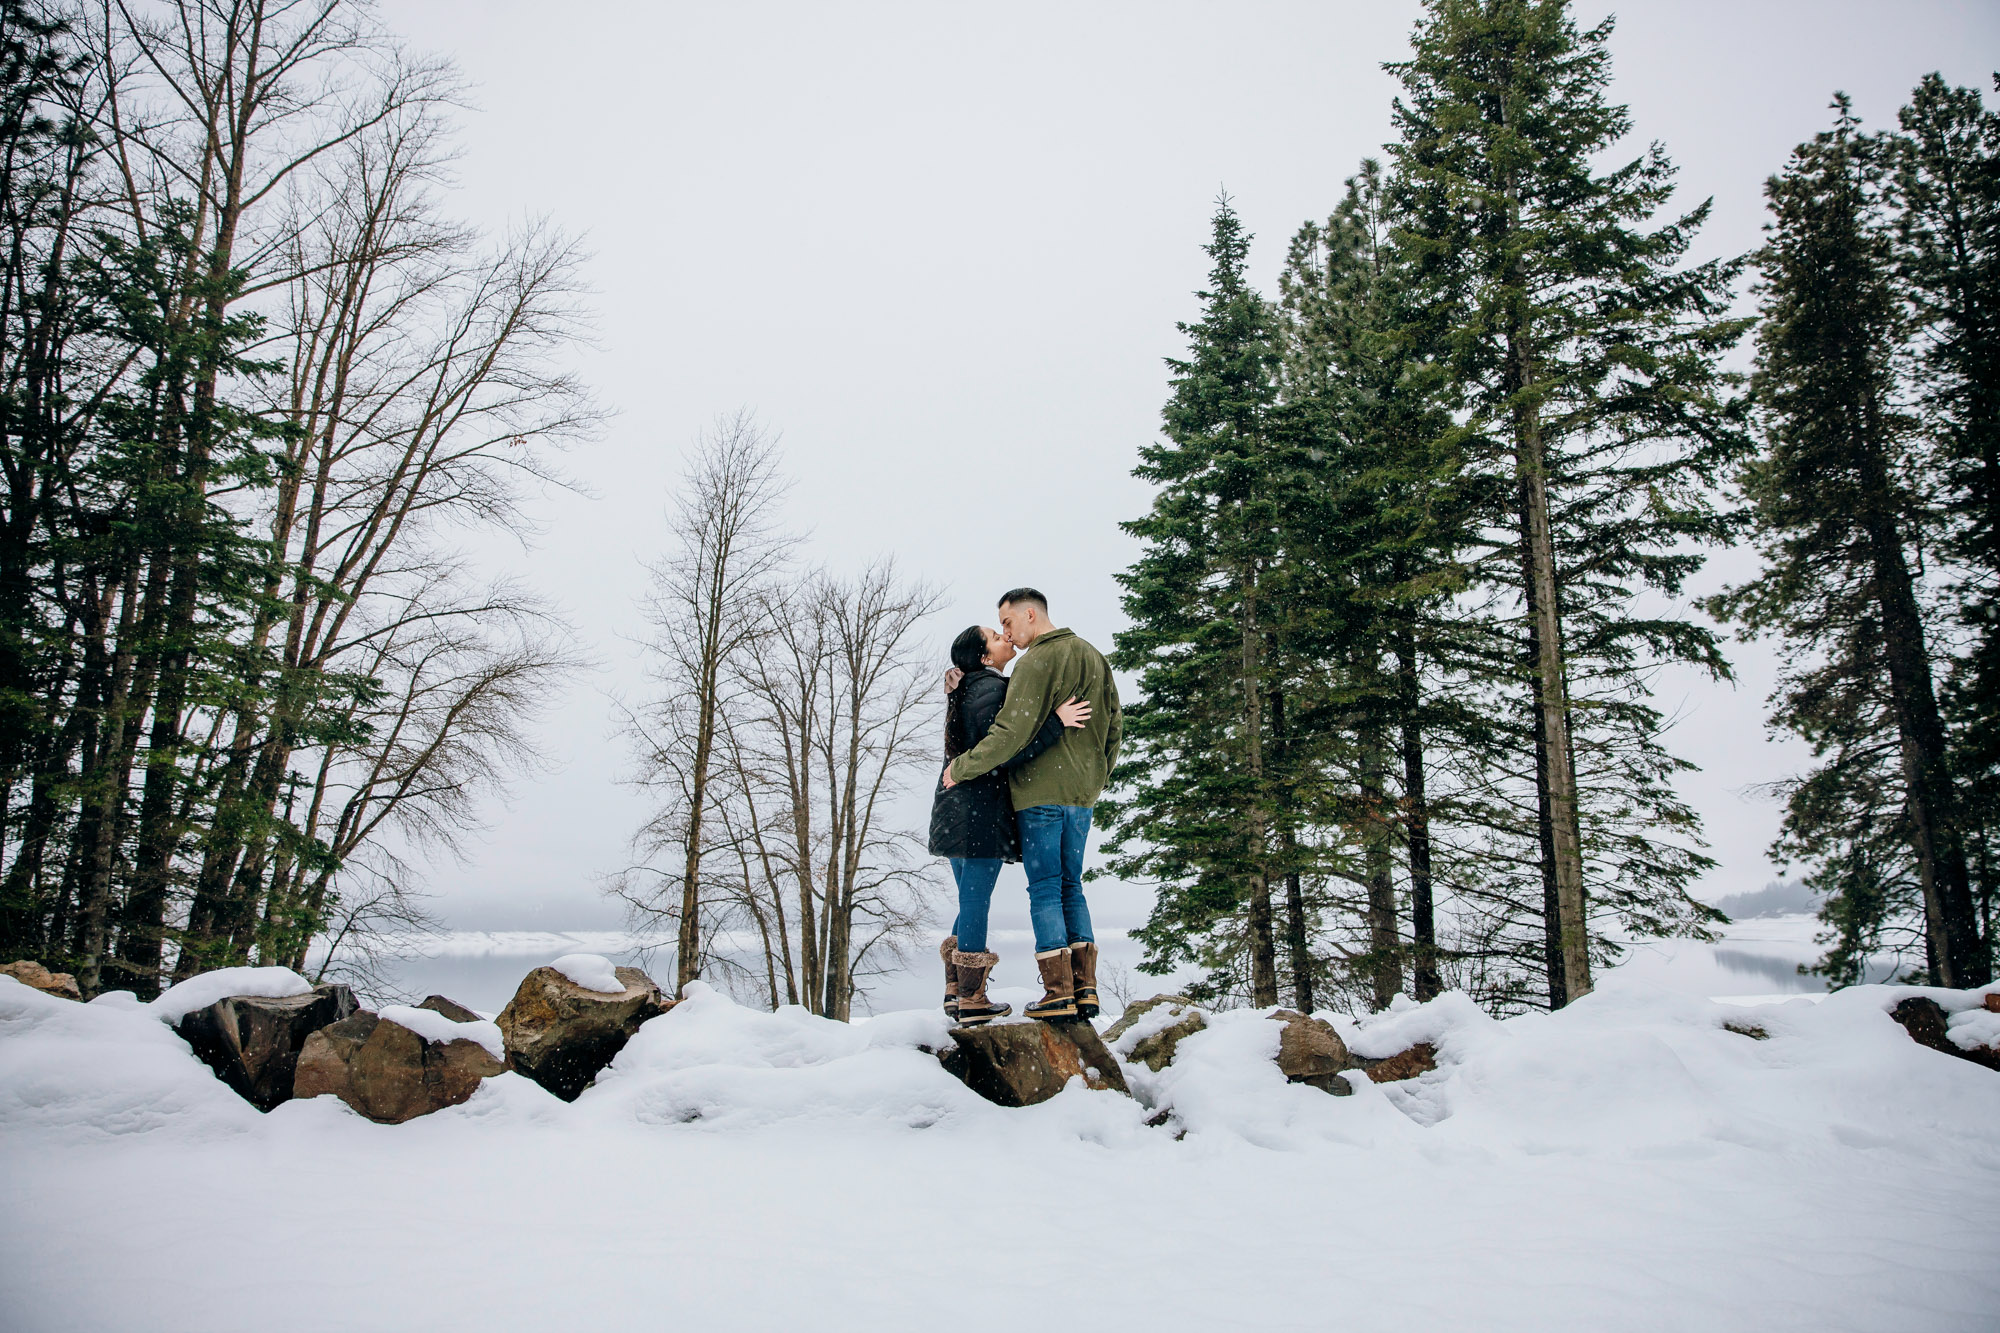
945, 951
1083, 966
1059, 980
973, 1006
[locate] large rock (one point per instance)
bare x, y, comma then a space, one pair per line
560, 1034
1139, 1009
389, 1073
252, 1042
1924, 1019
1310, 1051
1156, 1049
1020, 1064
30, 973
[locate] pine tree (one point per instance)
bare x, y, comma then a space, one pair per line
1946, 195
1384, 547
1200, 811
1841, 519
42, 64
1587, 356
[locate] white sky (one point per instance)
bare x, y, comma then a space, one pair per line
943, 248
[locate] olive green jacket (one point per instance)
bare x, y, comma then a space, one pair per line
1058, 668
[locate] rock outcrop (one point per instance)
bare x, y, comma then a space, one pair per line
30, 973
1310, 1051
252, 1042
451, 1009
1418, 1059
1155, 1050
1924, 1019
560, 1035
1020, 1064
389, 1073
1138, 1009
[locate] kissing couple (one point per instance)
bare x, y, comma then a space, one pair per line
1027, 757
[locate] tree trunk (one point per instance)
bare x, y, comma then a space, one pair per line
1385, 945
688, 961
1297, 940
104, 804
1562, 852
1552, 951
1296, 943
1556, 771
1417, 827
1263, 941
1958, 955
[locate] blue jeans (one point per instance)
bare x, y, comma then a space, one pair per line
976, 876
1052, 838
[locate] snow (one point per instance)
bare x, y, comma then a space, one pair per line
205, 988
434, 1026
592, 971
1627, 1163
1973, 1028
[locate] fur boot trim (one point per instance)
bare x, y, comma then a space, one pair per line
947, 949
982, 959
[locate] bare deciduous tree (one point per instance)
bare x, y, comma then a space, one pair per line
706, 605
833, 731
785, 723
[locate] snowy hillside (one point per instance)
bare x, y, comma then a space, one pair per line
1628, 1163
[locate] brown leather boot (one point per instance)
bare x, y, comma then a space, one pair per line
1059, 980
945, 951
1083, 965
973, 1006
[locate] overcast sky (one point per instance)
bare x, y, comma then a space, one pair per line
942, 249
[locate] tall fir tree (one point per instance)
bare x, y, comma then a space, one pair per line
1384, 548
1842, 518
1587, 353
1199, 811
1946, 194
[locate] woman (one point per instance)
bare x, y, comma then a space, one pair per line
973, 822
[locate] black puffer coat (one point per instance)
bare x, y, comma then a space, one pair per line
977, 818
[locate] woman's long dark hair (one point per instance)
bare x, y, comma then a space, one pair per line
966, 651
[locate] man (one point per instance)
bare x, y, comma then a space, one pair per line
1052, 793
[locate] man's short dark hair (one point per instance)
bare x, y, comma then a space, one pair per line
1025, 595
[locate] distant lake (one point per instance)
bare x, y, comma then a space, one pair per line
482, 969
1760, 956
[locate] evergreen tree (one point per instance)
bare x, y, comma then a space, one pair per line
1841, 520
1946, 195
1200, 810
1587, 356
45, 150
1384, 547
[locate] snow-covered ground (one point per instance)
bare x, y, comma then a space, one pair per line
1627, 1164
